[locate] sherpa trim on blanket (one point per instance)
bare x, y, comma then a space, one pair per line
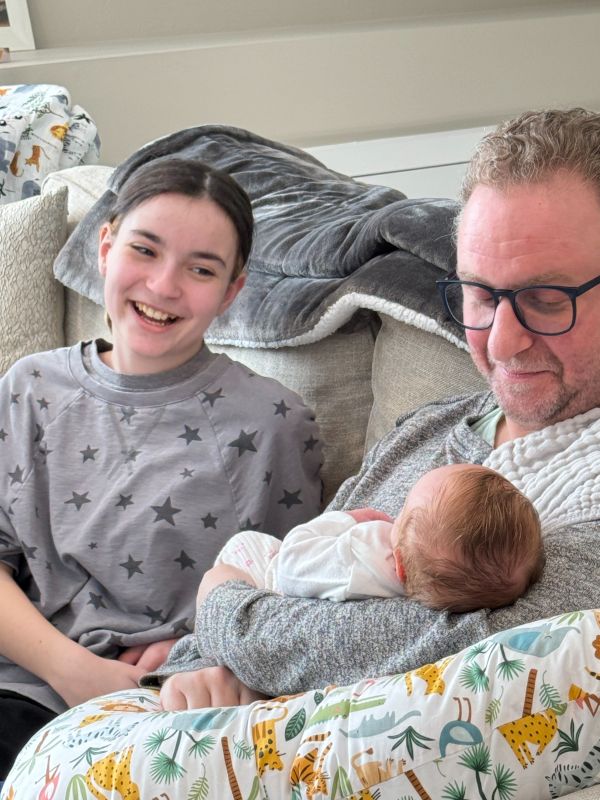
325, 246
41, 133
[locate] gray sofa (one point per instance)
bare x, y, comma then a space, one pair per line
358, 379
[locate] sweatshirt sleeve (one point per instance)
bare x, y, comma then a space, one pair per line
281, 645
21, 436
184, 657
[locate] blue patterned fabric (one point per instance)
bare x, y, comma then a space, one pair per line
41, 132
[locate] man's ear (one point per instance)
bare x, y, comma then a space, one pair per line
105, 242
232, 292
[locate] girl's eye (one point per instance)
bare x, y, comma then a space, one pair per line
204, 271
142, 250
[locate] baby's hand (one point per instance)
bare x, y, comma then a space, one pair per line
369, 515
219, 574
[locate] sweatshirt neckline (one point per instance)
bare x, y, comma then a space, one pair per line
100, 380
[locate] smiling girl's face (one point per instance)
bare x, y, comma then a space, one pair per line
168, 270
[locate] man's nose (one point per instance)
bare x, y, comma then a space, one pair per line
507, 337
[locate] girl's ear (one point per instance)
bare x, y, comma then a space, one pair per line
105, 242
232, 292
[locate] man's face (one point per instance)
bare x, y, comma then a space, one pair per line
542, 233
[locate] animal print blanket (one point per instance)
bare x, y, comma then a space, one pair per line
327, 249
41, 132
511, 718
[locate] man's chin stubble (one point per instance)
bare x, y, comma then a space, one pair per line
539, 412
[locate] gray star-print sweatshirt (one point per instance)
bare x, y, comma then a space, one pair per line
117, 492
282, 645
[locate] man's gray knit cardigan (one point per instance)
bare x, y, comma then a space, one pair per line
281, 645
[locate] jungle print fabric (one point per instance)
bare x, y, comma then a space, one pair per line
512, 717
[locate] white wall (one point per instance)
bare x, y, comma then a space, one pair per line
319, 73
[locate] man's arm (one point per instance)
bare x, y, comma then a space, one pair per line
280, 645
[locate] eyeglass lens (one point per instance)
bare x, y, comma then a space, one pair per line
543, 310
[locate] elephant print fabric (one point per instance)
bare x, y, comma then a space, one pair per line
512, 717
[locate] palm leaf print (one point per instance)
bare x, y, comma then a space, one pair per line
295, 725
203, 746
199, 789
164, 769
473, 677
242, 749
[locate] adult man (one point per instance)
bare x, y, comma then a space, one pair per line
529, 227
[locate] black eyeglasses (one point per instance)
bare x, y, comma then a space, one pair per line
545, 309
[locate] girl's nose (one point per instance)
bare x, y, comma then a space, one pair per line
164, 281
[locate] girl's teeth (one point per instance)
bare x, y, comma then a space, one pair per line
153, 313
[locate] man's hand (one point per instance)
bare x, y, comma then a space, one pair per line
219, 574
369, 515
203, 688
148, 656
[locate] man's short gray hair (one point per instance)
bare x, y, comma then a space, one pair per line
534, 146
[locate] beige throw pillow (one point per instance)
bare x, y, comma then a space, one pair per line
32, 232
86, 183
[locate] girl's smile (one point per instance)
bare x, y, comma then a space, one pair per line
153, 314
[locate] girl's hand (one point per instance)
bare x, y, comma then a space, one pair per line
369, 515
92, 675
148, 656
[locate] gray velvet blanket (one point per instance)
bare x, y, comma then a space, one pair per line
326, 247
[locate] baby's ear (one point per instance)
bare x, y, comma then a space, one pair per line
400, 571
105, 241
